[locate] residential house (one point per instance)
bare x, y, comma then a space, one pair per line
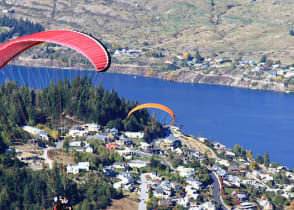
172, 142
127, 152
118, 165
222, 162
111, 146
75, 132
232, 180
91, 127
138, 135
102, 137
185, 172
195, 183
230, 154
191, 192
164, 203
108, 170
82, 166
161, 193
220, 172
138, 163
241, 196
233, 169
123, 142
125, 177
39, 133
202, 139
113, 131
245, 205
154, 176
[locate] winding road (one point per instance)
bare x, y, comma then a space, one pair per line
216, 190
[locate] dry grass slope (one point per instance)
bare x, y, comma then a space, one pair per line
227, 27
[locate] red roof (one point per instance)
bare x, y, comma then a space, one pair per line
111, 146
83, 43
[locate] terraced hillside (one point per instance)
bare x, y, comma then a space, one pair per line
222, 27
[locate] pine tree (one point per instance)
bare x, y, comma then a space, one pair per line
4, 198
266, 159
198, 57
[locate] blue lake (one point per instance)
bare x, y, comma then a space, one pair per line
262, 121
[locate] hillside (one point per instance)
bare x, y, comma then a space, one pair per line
223, 27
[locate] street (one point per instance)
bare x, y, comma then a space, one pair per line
216, 191
143, 192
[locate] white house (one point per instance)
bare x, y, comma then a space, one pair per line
75, 133
138, 135
138, 163
125, 177
171, 141
91, 127
230, 154
191, 192
222, 162
36, 132
195, 183
185, 172
84, 166
154, 176
76, 169
162, 193
70, 169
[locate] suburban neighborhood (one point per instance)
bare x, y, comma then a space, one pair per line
174, 171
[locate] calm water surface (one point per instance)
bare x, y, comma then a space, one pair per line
259, 120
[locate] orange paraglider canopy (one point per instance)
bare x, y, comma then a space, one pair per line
152, 105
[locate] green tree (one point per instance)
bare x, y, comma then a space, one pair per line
198, 57
259, 159
266, 159
86, 205
4, 199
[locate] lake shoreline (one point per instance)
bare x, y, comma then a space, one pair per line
183, 76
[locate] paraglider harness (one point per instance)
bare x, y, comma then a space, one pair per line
61, 204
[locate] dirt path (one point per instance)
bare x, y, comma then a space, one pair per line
123, 204
194, 143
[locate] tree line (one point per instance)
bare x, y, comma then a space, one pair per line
75, 100
17, 27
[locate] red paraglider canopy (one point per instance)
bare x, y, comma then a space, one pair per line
83, 43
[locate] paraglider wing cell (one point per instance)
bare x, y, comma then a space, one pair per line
82, 43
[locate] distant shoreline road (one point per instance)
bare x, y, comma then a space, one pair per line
183, 76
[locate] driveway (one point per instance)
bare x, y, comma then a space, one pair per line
45, 154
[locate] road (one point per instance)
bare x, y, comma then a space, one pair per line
166, 162
216, 191
59, 145
143, 192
